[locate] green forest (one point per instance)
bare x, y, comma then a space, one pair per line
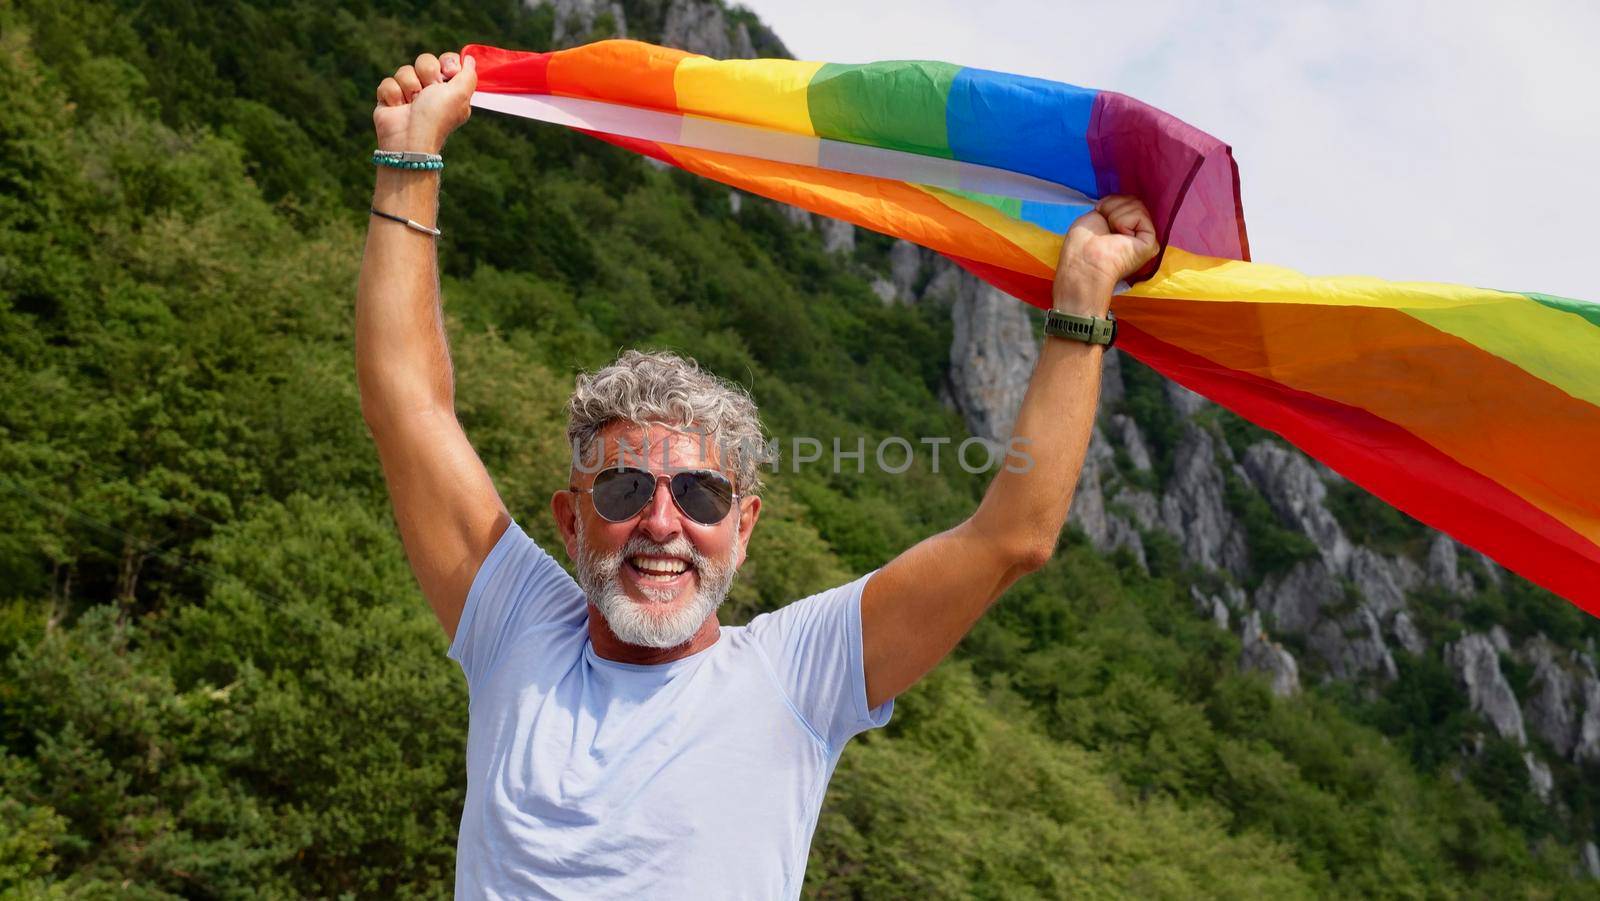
218, 678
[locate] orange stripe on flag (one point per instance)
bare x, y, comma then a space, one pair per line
883, 205
620, 71
1480, 410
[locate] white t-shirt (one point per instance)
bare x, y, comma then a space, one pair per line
699, 778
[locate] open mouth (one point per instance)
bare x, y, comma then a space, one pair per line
659, 572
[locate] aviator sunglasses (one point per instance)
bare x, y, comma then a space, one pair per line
703, 495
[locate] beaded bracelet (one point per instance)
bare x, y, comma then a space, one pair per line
407, 159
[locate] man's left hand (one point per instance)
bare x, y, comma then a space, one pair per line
1106, 244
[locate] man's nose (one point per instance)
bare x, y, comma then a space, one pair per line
660, 520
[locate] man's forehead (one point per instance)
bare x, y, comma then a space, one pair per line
678, 445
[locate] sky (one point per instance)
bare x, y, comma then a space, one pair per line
1430, 141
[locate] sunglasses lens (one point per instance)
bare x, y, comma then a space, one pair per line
703, 496
619, 494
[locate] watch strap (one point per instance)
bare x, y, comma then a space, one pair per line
1088, 329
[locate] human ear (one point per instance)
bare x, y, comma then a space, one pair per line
748, 514
564, 507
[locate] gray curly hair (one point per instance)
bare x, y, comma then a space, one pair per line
663, 387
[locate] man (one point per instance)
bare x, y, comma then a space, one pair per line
621, 742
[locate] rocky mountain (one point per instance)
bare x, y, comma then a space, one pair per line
699, 26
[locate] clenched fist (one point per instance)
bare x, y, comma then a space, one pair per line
421, 104
1106, 244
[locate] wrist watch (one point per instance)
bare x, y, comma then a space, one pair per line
1088, 329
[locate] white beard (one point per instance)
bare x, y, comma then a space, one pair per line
654, 625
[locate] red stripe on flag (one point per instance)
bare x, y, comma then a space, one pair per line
1029, 288
637, 145
1397, 467
509, 71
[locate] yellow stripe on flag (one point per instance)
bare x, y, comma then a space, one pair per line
1549, 344
767, 92
1042, 245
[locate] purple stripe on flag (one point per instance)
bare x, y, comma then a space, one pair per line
1186, 177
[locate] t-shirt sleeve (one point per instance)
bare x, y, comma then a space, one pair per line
814, 646
518, 589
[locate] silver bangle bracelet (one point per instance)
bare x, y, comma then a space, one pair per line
409, 223
407, 156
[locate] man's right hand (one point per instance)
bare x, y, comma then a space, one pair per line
421, 104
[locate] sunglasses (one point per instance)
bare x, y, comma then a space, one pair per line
703, 495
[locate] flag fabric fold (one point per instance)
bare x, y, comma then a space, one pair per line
1474, 411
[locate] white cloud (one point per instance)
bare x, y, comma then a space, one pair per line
1433, 140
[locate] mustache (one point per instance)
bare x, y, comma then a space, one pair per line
679, 547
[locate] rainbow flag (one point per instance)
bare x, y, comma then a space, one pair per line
1474, 411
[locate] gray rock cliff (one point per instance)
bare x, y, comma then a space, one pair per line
1539, 775
1409, 636
1194, 507
579, 21
1112, 389
1262, 654
1132, 441
992, 354
837, 236
1476, 661
700, 26
1444, 567
1296, 493
1106, 531
1551, 709
905, 269
1587, 749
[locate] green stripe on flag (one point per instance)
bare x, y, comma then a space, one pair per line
1584, 308
1011, 206
898, 104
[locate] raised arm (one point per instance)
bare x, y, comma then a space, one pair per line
447, 509
915, 610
